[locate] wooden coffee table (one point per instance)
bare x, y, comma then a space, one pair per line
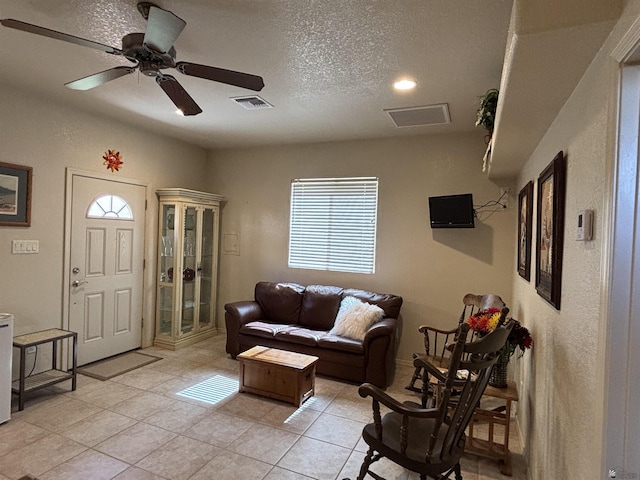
278, 374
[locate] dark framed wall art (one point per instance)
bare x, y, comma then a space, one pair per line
525, 223
15, 195
550, 231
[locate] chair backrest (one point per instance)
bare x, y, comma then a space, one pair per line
475, 358
476, 303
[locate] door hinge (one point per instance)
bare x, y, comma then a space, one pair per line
144, 263
142, 323
145, 204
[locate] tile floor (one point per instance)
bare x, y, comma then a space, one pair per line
155, 423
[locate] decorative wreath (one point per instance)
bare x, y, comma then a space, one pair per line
112, 160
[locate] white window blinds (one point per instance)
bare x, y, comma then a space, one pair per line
333, 224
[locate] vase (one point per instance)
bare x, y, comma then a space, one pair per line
498, 377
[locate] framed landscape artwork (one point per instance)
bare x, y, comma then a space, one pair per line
550, 229
525, 221
15, 195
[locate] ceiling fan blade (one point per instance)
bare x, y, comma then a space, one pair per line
230, 77
163, 28
98, 79
45, 32
178, 95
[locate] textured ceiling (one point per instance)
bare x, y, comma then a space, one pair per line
328, 65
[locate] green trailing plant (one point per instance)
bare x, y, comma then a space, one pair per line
486, 114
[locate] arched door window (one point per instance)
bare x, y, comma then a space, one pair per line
110, 206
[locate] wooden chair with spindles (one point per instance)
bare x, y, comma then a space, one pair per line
438, 342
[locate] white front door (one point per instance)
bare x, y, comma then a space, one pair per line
106, 267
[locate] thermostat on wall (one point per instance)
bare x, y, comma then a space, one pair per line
584, 228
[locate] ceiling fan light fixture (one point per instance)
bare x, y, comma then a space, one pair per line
405, 84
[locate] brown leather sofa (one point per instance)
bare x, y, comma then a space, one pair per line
296, 318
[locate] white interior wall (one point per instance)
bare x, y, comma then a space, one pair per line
50, 137
430, 269
562, 382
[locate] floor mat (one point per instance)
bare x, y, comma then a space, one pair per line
114, 366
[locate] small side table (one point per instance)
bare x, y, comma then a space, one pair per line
497, 416
49, 377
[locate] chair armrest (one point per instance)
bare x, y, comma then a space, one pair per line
369, 390
425, 328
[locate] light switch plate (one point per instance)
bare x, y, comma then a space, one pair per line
19, 247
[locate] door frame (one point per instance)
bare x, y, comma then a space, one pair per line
148, 325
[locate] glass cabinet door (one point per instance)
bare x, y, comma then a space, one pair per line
205, 314
165, 270
189, 266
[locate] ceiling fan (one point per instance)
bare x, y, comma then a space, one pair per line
151, 52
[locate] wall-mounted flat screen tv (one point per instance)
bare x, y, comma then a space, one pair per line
452, 211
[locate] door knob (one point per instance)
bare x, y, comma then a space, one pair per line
77, 283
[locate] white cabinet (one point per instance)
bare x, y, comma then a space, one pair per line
187, 267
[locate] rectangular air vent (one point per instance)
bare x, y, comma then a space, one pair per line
252, 102
420, 116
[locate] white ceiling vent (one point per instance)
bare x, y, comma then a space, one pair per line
420, 116
252, 102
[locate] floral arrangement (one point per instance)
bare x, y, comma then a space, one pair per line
488, 320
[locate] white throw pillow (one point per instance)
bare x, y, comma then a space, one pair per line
355, 317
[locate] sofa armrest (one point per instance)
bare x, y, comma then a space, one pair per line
385, 327
236, 315
380, 352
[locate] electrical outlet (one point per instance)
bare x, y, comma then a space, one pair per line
31, 349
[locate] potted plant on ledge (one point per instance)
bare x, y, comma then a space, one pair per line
486, 113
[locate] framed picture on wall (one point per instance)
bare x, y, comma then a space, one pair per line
15, 195
550, 229
525, 223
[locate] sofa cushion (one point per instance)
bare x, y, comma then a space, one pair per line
355, 317
301, 336
343, 344
280, 302
320, 306
262, 329
389, 303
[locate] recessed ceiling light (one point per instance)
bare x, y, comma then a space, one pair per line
405, 84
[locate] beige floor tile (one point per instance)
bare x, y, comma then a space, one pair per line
231, 466
179, 458
264, 443
291, 418
84, 385
135, 443
109, 394
174, 366
249, 406
384, 468
135, 473
142, 405
337, 430
40, 456
143, 378
97, 428
88, 465
57, 416
177, 417
16, 434
278, 473
315, 458
219, 429
351, 406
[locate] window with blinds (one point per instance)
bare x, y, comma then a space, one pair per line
333, 224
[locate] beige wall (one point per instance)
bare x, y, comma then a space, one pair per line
51, 137
561, 411
430, 269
